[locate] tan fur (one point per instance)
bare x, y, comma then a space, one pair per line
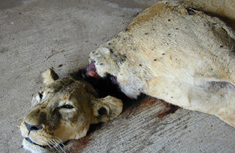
186, 59
224, 9
58, 123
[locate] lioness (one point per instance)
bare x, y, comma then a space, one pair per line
177, 54
170, 52
63, 110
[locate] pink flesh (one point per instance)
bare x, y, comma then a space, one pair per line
91, 72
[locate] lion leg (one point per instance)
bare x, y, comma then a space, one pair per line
216, 98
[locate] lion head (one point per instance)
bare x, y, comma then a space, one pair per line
63, 110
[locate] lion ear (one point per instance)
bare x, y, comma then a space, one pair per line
49, 76
105, 109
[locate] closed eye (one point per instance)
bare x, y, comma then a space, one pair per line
66, 106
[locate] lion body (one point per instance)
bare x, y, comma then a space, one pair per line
180, 55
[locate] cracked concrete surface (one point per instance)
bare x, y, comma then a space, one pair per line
39, 34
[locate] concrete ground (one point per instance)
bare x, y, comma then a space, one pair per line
39, 34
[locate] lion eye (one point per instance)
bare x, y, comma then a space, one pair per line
67, 106
40, 95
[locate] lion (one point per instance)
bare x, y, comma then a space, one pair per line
169, 51
180, 55
64, 110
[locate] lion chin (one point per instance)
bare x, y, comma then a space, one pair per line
64, 110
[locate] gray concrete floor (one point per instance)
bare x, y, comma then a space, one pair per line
39, 34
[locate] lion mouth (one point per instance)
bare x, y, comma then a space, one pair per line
30, 141
47, 146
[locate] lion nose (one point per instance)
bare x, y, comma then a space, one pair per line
33, 127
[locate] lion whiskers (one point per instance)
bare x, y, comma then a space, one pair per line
56, 145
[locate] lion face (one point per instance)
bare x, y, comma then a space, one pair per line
63, 110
